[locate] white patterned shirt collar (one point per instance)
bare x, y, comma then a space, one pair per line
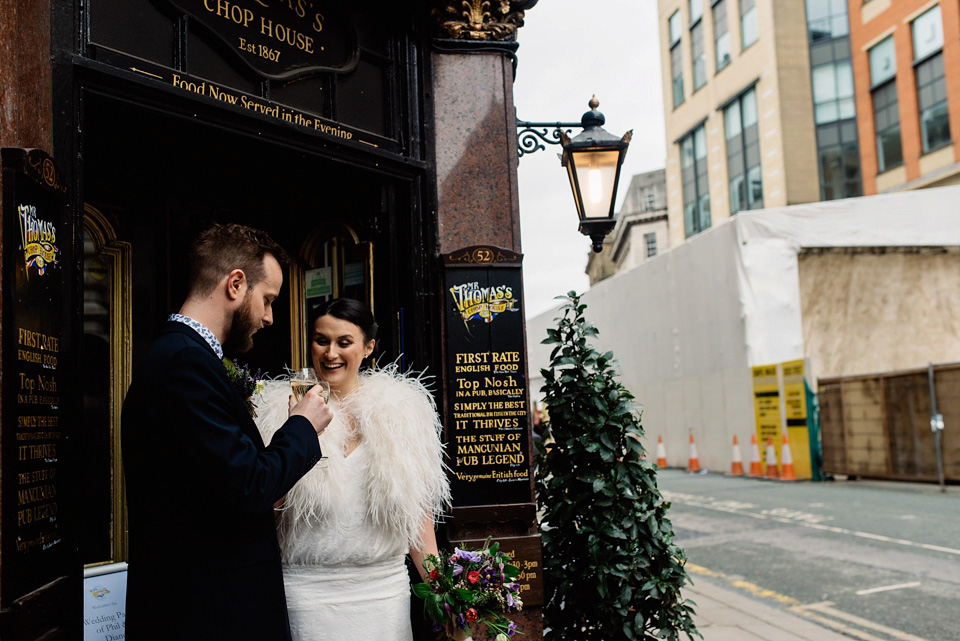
201, 329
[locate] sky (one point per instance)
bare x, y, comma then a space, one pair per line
570, 50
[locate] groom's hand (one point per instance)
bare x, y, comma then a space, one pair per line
314, 409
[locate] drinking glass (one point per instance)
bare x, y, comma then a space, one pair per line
305, 378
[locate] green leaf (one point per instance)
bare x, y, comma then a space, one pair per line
434, 611
466, 596
421, 590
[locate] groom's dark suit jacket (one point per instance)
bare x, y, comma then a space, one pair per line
204, 561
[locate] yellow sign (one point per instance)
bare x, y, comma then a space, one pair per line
795, 406
766, 403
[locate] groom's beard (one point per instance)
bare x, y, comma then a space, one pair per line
242, 328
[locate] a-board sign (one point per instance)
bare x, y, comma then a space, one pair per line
105, 603
35, 281
280, 39
486, 404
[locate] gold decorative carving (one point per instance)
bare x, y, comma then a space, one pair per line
482, 255
481, 19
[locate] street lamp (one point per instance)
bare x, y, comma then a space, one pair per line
592, 158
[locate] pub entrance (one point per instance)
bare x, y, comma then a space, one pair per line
151, 180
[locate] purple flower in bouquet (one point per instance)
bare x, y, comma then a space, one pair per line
246, 381
467, 555
457, 570
461, 621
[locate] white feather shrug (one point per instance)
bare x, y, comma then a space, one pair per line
405, 477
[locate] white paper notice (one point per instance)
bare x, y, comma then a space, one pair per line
105, 603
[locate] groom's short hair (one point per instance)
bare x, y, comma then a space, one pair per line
224, 247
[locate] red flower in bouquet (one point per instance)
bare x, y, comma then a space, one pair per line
434, 575
471, 615
473, 577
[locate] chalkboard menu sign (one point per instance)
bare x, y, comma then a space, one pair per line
35, 275
486, 404
280, 39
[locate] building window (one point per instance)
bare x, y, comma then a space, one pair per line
927, 34
696, 11
676, 66
833, 92
647, 199
675, 28
696, 195
743, 153
839, 153
886, 118
835, 112
886, 114
650, 240
699, 55
748, 23
931, 80
827, 19
721, 34
883, 62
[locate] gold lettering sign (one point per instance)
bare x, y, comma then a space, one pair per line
280, 39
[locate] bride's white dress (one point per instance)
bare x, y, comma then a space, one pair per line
362, 590
348, 524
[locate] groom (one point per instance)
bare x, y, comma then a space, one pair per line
204, 562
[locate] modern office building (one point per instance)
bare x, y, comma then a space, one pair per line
760, 108
908, 104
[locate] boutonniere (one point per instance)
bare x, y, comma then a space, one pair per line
247, 383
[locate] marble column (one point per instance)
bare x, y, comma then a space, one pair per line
477, 204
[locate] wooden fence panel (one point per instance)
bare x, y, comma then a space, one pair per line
833, 444
912, 450
879, 425
948, 404
863, 427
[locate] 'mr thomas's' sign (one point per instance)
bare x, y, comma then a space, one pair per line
486, 405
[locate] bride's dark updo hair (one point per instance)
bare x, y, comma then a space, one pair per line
350, 310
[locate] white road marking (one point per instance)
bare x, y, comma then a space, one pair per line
825, 608
802, 519
887, 588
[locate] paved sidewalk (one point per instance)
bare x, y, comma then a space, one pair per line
723, 614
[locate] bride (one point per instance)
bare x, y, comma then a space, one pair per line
347, 525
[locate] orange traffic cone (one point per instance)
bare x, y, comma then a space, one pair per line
736, 469
756, 469
772, 472
661, 454
786, 459
694, 464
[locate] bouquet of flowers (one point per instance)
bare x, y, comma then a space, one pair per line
247, 382
471, 586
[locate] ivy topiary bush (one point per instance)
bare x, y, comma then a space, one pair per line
611, 568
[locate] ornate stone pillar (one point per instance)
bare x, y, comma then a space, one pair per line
474, 121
